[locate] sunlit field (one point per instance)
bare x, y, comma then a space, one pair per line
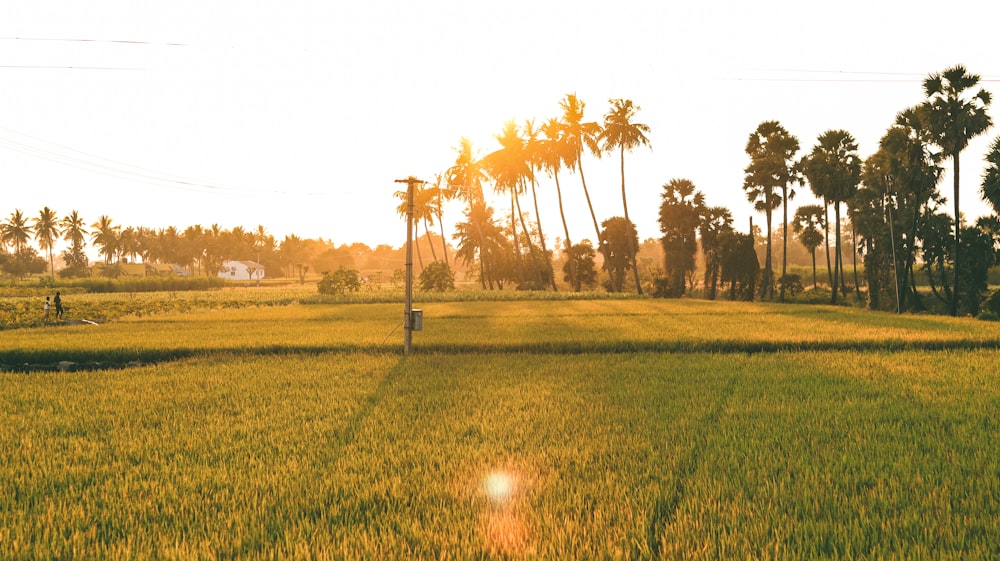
595, 429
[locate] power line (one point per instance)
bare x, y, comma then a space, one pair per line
83, 40
44, 67
122, 170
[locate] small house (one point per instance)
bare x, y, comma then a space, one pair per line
242, 271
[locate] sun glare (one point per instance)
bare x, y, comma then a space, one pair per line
498, 486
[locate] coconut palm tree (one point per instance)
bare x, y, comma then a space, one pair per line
772, 167
554, 153
621, 133
105, 236
954, 115
465, 180
508, 167
16, 232
75, 232
73, 228
425, 209
833, 170
534, 151
579, 134
46, 228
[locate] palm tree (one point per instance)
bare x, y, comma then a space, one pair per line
578, 135
465, 179
425, 209
534, 151
75, 232
554, 153
681, 210
47, 232
621, 133
481, 237
105, 236
714, 223
509, 168
833, 169
954, 117
771, 149
990, 188
16, 232
806, 225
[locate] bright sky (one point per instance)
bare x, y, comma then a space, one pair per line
298, 114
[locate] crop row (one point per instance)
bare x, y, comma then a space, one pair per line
359, 456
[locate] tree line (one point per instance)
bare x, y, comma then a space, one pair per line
197, 249
891, 201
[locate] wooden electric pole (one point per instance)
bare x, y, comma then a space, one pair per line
408, 307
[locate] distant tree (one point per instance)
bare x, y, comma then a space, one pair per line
437, 276
480, 239
621, 133
772, 169
739, 264
105, 237
990, 187
618, 238
833, 170
46, 227
339, 282
680, 212
555, 152
806, 225
954, 116
580, 270
75, 232
579, 134
535, 153
715, 222
15, 232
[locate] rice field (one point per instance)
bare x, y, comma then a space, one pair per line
630, 429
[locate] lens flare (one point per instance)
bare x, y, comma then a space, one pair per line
499, 486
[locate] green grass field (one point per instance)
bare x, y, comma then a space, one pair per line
594, 429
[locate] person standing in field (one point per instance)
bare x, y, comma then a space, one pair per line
46, 309
59, 308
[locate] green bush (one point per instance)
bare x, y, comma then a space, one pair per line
339, 282
792, 283
437, 276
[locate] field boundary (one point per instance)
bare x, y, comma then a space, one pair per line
52, 360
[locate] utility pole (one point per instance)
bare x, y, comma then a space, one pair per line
408, 307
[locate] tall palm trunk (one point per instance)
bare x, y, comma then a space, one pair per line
430, 242
836, 258
826, 240
784, 240
597, 229
541, 237
768, 289
814, 267
569, 244
517, 243
957, 263
854, 258
416, 243
531, 246
632, 249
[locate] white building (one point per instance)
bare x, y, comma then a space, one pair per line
242, 271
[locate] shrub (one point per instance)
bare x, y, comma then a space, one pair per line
437, 276
339, 282
792, 283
